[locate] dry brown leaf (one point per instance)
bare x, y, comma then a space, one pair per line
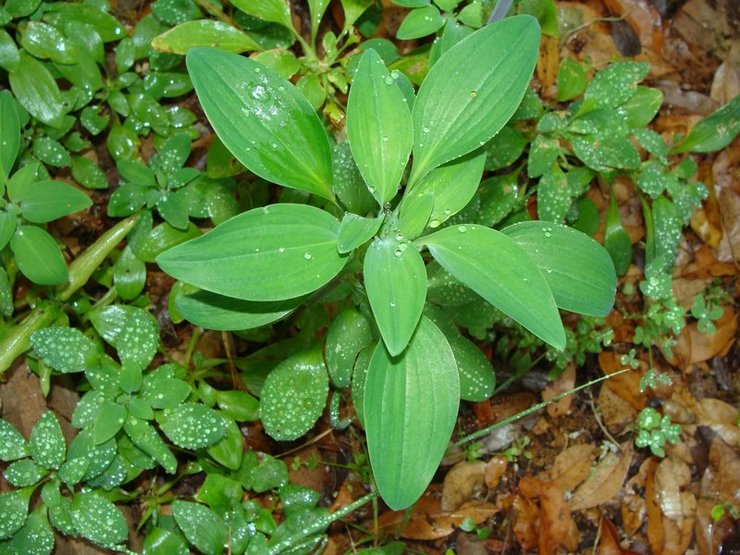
616, 412
709, 533
572, 466
643, 18
557, 528
726, 172
722, 418
633, 513
462, 482
526, 522
670, 477
694, 346
721, 479
495, 469
565, 382
605, 482
548, 64
609, 541
627, 385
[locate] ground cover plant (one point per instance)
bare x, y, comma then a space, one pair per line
355, 276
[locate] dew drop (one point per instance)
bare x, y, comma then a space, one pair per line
434, 223
462, 228
307, 256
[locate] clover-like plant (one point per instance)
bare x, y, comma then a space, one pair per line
260, 266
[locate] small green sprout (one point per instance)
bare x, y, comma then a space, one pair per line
655, 430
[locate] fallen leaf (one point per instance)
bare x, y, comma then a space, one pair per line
565, 382
605, 481
722, 418
572, 466
643, 18
721, 479
633, 513
626, 385
670, 477
694, 346
726, 169
617, 413
462, 482
557, 528
526, 522
495, 469
609, 541
548, 64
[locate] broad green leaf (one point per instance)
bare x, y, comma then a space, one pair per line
410, 410
505, 148
229, 450
420, 23
201, 526
553, 196
613, 86
642, 107
359, 375
162, 238
98, 520
51, 152
24, 473
499, 195
46, 42
193, 426
217, 312
414, 214
274, 253
132, 331
45, 201
12, 444
146, 438
353, 9
616, 240
355, 231
348, 334
317, 9
8, 225
545, 12
349, 186
396, 284
166, 393
577, 269
378, 127
446, 290
606, 155
500, 271
110, 419
37, 91
263, 120
277, 11
204, 32
477, 379
572, 80
714, 132
13, 511
160, 541
238, 405
129, 275
47, 444
123, 143
294, 395
6, 294
10, 135
65, 349
472, 91
38, 256
219, 493
452, 186
36, 537
87, 409
74, 470
9, 54
107, 26
88, 173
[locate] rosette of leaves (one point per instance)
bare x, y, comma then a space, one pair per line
125, 405
28, 198
44, 463
268, 260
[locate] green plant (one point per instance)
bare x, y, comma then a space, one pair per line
654, 430
261, 266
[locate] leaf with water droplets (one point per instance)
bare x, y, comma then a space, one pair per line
65, 349
263, 120
98, 520
616, 240
348, 334
201, 526
47, 444
396, 284
12, 444
553, 196
276, 11
379, 127
132, 331
110, 419
193, 426
146, 438
472, 91
10, 134
582, 281
410, 409
13, 511
420, 23
477, 378
355, 231
278, 252
714, 132
24, 473
36, 536
498, 269
38, 256
204, 32
294, 395
614, 86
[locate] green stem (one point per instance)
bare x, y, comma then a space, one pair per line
84, 265
18, 340
320, 524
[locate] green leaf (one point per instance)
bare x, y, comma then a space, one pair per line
607, 154
714, 132
123, 143
129, 275
498, 197
45, 201
614, 86
349, 186
553, 196
107, 26
276, 11
37, 91
317, 9
9, 54
452, 186
201, 526
263, 120
8, 225
13, 511
24, 473
65, 349
572, 80
505, 148
642, 107
220, 493
348, 334
193, 426
146, 438
545, 12
414, 213
378, 127
496, 268
38, 256
616, 240
353, 9
98, 520
160, 541
110, 419
46, 42
204, 32
36, 537
472, 91
10, 134
88, 173
238, 405
273, 253
410, 410
132, 331
229, 450
577, 269
355, 231
47, 444
167, 393
12, 444
396, 284
294, 395
420, 23
477, 379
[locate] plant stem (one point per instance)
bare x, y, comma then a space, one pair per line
18, 340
